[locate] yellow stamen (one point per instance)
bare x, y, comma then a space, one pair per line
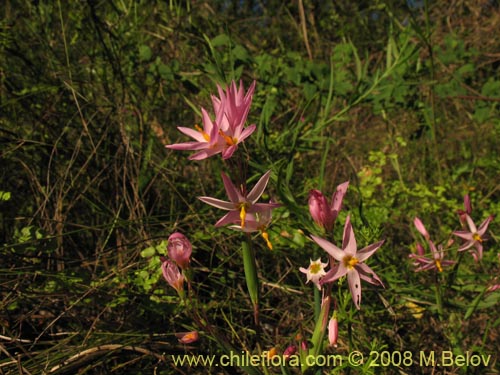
438, 265
230, 141
265, 235
477, 237
350, 261
243, 213
203, 133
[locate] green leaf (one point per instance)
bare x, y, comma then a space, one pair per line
220, 40
4, 195
148, 252
145, 53
251, 273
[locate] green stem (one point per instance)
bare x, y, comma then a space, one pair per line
317, 303
439, 298
319, 332
251, 277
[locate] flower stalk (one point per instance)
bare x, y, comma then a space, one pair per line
252, 280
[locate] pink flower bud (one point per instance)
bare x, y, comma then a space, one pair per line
179, 250
303, 345
172, 274
493, 288
320, 209
338, 197
291, 350
420, 250
187, 337
467, 204
468, 209
421, 228
323, 212
333, 330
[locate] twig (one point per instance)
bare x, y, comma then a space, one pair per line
304, 28
88, 354
12, 339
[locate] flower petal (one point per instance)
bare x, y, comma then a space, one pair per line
367, 274
484, 225
421, 228
349, 242
232, 217
193, 134
354, 282
466, 245
204, 154
246, 133
187, 146
471, 224
330, 248
338, 196
365, 253
335, 273
231, 190
217, 203
229, 151
463, 234
259, 187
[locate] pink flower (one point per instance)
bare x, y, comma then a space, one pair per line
315, 272
303, 346
240, 203
179, 250
233, 104
187, 337
333, 330
208, 141
227, 131
173, 276
350, 262
231, 111
323, 212
289, 351
423, 263
474, 237
493, 288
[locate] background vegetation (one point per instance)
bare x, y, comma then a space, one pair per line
402, 99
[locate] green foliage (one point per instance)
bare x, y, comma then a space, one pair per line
386, 97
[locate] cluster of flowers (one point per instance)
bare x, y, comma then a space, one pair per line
472, 240
222, 136
346, 261
179, 250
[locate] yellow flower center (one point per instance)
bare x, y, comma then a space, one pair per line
315, 268
350, 261
203, 133
477, 237
230, 141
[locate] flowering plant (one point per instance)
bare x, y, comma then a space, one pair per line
335, 262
